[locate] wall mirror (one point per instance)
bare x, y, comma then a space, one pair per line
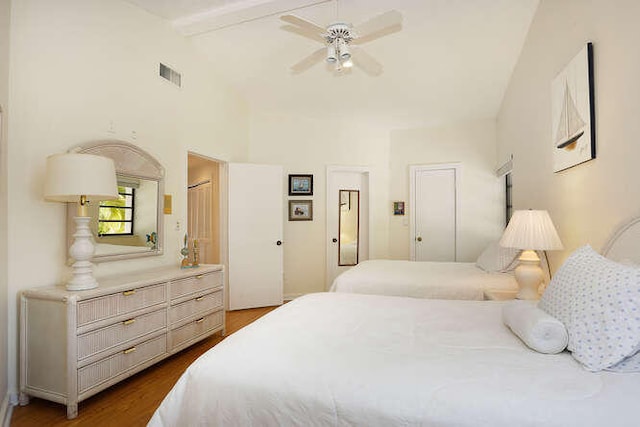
132, 225
349, 224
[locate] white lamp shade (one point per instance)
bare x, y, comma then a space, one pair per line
531, 230
72, 175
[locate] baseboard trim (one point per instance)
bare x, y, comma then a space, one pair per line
5, 411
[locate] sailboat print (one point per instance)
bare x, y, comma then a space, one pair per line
571, 125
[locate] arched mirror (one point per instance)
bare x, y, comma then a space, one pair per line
132, 225
349, 221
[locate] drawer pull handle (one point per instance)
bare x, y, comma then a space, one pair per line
199, 276
129, 293
200, 320
129, 322
199, 298
129, 350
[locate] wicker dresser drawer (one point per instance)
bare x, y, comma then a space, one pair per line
201, 282
111, 336
110, 367
191, 330
123, 302
195, 306
74, 344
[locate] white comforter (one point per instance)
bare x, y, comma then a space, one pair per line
441, 280
344, 359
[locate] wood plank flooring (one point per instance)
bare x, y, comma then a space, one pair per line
133, 401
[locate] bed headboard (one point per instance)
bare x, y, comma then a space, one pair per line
624, 243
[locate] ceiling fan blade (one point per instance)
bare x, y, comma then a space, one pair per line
295, 20
379, 22
366, 62
377, 34
304, 33
309, 61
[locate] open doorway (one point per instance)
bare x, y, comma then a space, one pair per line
204, 208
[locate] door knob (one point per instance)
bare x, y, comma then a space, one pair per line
279, 242
419, 239
334, 240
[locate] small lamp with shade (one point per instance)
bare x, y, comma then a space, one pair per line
530, 230
80, 178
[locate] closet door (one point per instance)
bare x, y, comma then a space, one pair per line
434, 212
256, 213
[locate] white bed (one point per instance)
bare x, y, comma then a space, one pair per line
441, 280
346, 359
333, 359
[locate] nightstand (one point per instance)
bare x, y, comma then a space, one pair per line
499, 294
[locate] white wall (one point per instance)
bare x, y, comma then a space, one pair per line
308, 145
4, 98
481, 207
588, 201
305, 145
84, 70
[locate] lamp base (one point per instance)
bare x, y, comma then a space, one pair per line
82, 251
529, 275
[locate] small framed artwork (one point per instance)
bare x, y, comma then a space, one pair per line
573, 112
398, 208
300, 210
300, 185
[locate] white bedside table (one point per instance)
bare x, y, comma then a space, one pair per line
499, 294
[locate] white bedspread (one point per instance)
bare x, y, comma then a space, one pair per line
337, 359
441, 280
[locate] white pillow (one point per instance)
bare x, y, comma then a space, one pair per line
537, 329
494, 258
598, 300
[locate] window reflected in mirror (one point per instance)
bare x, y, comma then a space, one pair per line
349, 220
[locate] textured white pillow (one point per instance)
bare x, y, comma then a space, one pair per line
537, 329
598, 300
495, 258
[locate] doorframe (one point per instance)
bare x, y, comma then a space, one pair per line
223, 231
413, 169
365, 170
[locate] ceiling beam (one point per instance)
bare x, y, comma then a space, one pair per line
237, 13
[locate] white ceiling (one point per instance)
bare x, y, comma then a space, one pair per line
452, 60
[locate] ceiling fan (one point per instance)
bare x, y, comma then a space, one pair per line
342, 40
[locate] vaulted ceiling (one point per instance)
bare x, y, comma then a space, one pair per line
451, 61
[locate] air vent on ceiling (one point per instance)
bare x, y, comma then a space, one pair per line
170, 74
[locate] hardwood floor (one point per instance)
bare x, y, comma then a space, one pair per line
133, 401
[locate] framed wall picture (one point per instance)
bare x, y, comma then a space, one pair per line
398, 208
300, 210
300, 185
573, 130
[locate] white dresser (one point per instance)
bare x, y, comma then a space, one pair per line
75, 344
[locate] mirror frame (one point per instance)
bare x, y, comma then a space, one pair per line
129, 160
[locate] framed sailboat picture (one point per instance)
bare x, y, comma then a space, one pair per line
573, 112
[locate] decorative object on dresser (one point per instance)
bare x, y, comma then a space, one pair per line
75, 344
530, 230
80, 178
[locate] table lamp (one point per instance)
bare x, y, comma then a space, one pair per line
530, 230
80, 178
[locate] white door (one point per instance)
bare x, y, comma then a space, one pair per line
346, 178
255, 235
433, 212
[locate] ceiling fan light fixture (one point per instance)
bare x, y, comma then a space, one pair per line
348, 63
343, 49
331, 54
